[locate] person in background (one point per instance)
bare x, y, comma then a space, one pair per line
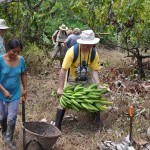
3, 29
12, 74
72, 38
82, 71
58, 39
69, 32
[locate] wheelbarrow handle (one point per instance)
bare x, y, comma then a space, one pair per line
23, 121
23, 109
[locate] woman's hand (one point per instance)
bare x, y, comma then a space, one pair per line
7, 94
24, 93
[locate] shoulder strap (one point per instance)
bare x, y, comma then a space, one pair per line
76, 51
55, 36
57, 32
93, 54
66, 34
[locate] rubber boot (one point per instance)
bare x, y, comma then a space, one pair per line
4, 127
9, 134
59, 117
96, 117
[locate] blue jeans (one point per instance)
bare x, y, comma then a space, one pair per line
9, 110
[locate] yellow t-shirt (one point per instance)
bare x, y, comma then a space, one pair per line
75, 67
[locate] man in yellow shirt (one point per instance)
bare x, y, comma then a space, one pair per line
82, 70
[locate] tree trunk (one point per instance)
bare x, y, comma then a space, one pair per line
119, 40
140, 67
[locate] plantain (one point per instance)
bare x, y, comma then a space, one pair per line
90, 96
104, 91
105, 102
68, 87
95, 93
74, 107
68, 96
88, 101
92, 107
101, 107
83, 97
92, 86
85, 106
76, 103
62, 103
78, 89
69, 91
80, 100
66, 100
95, 100
92, 90
77, 95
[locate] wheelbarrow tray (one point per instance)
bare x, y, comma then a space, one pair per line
41, 135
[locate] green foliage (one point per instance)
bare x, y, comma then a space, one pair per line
36, 21
129, 17
129, 20
31, 48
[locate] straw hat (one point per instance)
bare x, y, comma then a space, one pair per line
88, 37
3, 24
76, 31
63, 27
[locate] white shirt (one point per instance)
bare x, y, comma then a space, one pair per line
2, 48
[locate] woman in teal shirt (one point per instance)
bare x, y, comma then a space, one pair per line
12, 73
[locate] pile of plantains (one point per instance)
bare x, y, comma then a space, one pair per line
84, 98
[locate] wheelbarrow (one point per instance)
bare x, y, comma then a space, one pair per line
38, 135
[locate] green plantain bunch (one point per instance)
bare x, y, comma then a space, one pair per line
84, 98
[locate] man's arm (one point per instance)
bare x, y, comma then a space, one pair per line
95, 76
54, 37
62, 77
96, 79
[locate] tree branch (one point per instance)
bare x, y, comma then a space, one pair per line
136, 54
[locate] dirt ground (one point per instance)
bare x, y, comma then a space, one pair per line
83, 133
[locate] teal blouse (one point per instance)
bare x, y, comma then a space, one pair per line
10, 79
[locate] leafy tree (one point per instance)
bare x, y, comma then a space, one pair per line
35, 21
130, 18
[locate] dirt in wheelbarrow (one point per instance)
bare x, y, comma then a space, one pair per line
79, 130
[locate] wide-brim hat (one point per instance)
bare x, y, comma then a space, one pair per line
76, 31
88, 37
3, 24
63, 27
